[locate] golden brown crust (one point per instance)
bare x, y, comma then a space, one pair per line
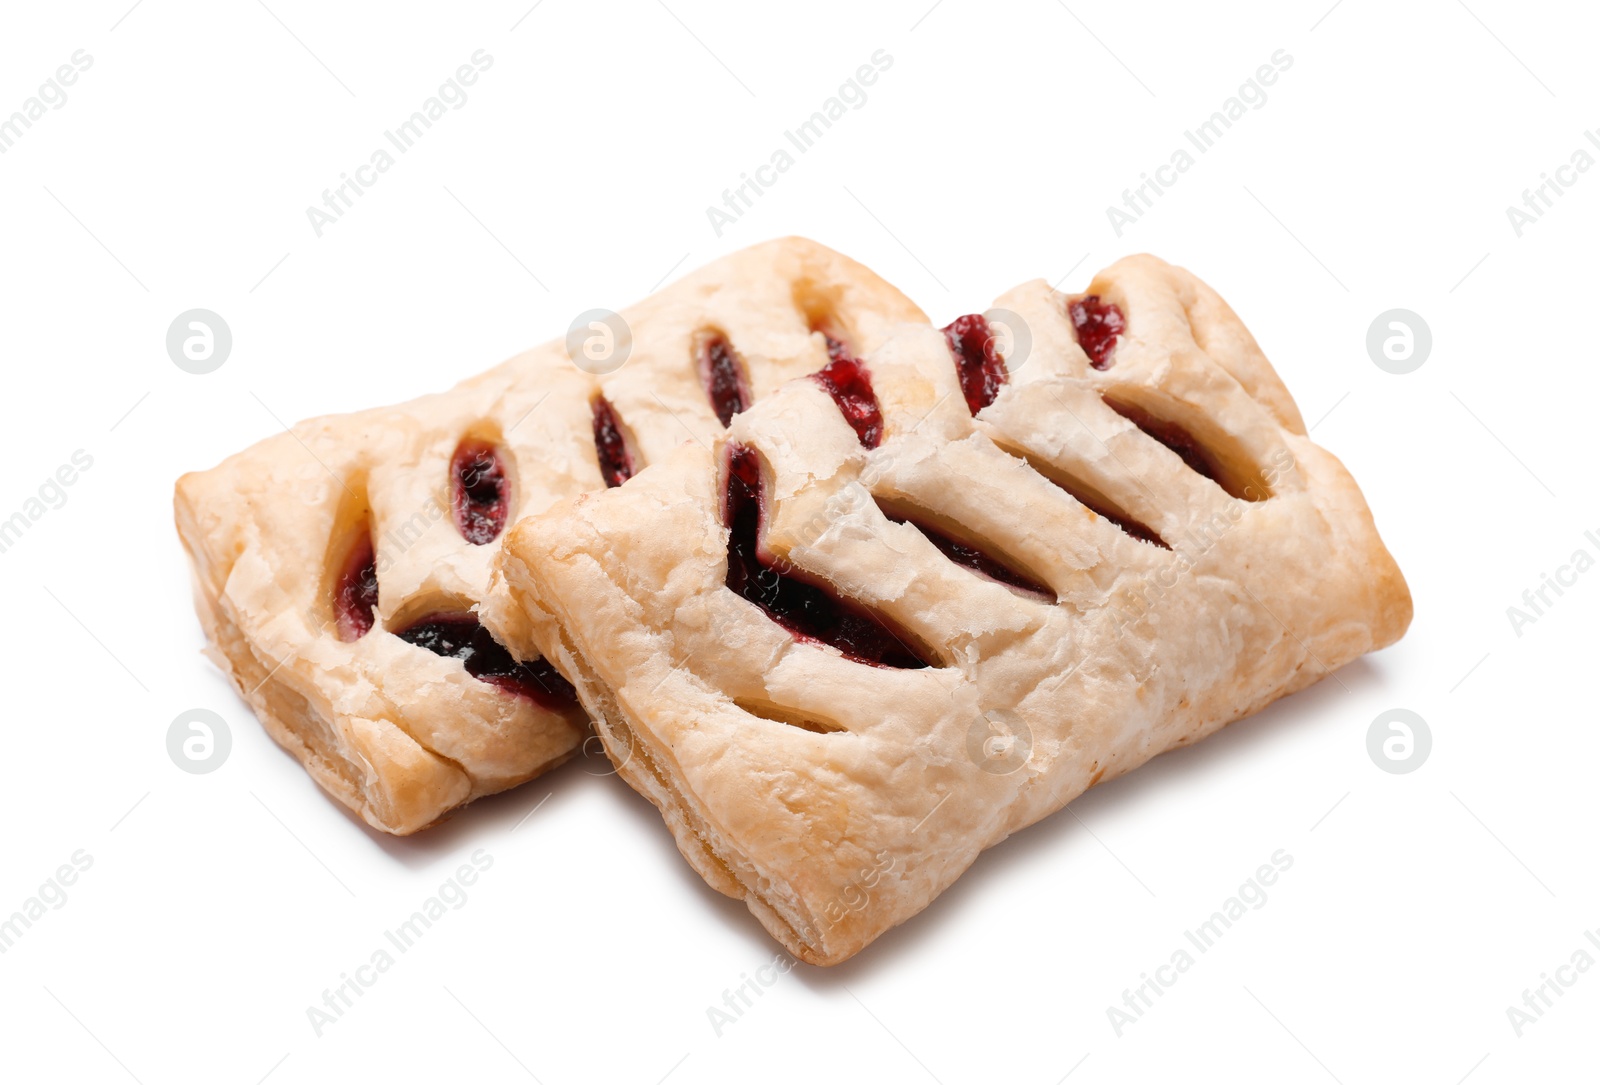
833, 838
397, 734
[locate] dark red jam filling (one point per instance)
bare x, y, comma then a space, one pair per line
977, 560
1116, 516
838, 350
804, 609
1174, 436
480, 491
1098, 323
978, 365
850, 386
462, 637
724, 379
610, 447
355, 596
1130, 526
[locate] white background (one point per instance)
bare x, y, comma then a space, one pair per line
1377, 175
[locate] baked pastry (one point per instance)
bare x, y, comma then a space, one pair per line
338, 566
904, 609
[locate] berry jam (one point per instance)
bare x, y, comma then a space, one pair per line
803, 608
976, 560
355, 596
480, 492
1098, 323
1116, 516
1174, 436
1130, 526
610, 448
462, 637
848, 382
978, 365
724, 379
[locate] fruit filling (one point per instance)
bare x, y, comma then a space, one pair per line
1174, 436
1129, 525
977, 560
1096, 502
461, 636
480, 491
610, 446
1246, 486
1098, 324
848, 382
806, 610
1104, 508
355, 596
724, 378
978, 365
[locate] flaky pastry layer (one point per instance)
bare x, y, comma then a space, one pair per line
399, 735
838, 798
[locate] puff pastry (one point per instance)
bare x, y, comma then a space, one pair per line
843, 660
338, 567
